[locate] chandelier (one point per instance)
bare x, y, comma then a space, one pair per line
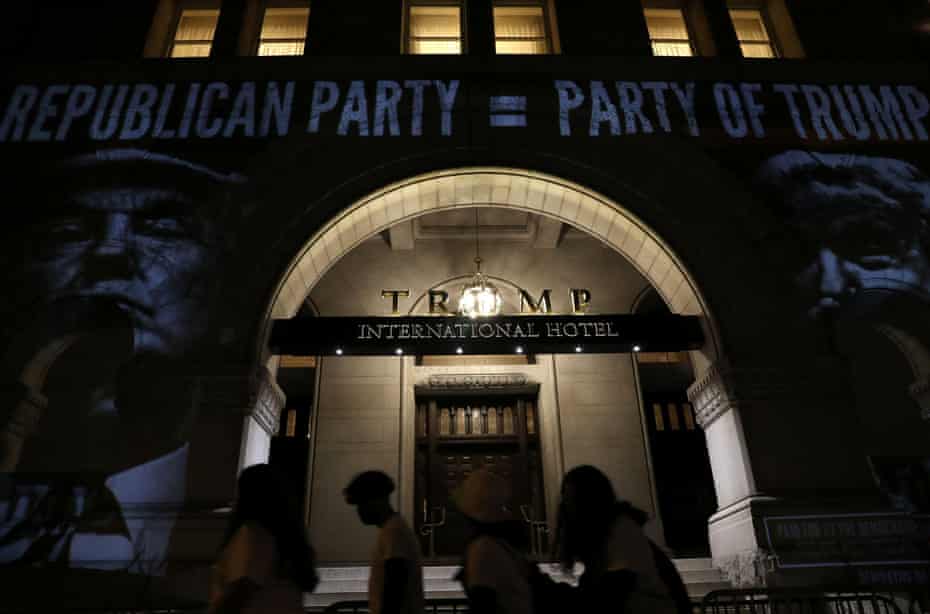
479, 297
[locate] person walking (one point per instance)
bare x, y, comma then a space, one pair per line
495, 574
266, 562
624, 571
395, 585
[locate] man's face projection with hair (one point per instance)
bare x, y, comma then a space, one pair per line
865, 223
135, 229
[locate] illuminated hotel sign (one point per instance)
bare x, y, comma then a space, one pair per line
373, 336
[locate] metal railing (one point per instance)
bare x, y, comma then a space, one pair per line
429, 525
539, 533
801, 600
433, 606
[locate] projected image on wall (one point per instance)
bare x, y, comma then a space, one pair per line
864, 224
120, 273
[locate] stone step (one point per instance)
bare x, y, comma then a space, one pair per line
701, 575
349, 583
691, 564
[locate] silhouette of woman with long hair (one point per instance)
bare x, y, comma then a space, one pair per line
266, 562
624, 571
495, 573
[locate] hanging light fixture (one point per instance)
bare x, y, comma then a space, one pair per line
479, 297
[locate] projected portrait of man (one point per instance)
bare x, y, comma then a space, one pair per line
135, 238
865, 225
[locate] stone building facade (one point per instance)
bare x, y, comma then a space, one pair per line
164, 212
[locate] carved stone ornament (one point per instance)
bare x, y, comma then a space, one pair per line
469, 380
722, 388
256, 394
746, 569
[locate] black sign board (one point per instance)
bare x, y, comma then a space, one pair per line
850, 540
548, 334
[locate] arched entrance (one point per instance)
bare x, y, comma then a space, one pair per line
529, 191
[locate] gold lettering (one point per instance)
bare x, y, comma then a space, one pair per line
581, 299
394, 294
528, 305
437, 301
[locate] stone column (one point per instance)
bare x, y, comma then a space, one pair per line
719, 411
229, 28
726, 44
235, 417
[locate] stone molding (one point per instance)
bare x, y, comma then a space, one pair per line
474, 380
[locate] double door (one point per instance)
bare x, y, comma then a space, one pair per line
459, 432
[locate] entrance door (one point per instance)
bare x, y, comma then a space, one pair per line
682, 470
461, 431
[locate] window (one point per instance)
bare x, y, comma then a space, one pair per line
752, 33
434, 29
520, 30
194, 34
668, 32
284, 31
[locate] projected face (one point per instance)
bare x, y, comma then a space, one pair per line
143, 248
865, 222
134, 229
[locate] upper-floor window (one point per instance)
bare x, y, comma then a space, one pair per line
668, 32
753, 33
193, 36
434, 28
284, 31
521, 29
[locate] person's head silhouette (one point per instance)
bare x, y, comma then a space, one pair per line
370, 492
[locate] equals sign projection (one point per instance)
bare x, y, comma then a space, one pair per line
508, 111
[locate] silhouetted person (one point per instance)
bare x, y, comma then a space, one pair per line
495, 574
623, 570
266, 563
395, 585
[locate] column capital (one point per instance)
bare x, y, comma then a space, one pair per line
723, 387
254, 393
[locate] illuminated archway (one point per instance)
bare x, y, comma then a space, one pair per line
523, 190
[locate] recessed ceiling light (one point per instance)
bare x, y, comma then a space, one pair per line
338, 351
519, 349
577, 348
398, 351
458, 350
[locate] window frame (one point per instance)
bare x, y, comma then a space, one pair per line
659, 5
765, 18
548, 16
463, 24
256, 44
178, 11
